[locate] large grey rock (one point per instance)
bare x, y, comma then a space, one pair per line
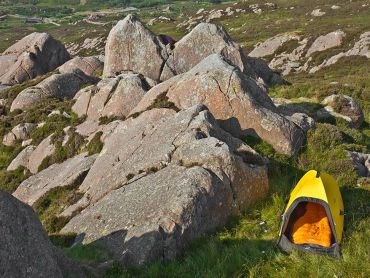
111, 97
327, 41
22, 158
44, 149
33, 55
25, 247
178, 177
60, 86
236, 100
361, 48
205, 39
19, 133
132, 47
160, 62
68, 173
271, 45
90, 66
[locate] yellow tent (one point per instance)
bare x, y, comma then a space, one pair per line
314, 216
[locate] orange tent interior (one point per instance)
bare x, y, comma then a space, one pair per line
309, 224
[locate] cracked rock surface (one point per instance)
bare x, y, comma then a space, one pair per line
64, 85
178, 176
132, 47
237, 101
65, 174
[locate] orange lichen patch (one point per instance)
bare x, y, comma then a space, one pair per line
312, 227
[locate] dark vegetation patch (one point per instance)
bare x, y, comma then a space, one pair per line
104, 120
10, 180
160, 102
49, 206
72, 147
95, 145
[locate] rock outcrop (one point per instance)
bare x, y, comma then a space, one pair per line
361, 161
178, 176
25, 247
60, 86
44, 149
34, 55
205, 39
22, 159
342, 106
69, 173
160, 62
361, 48
271, 45
91, 66
18, 133
235, 99
113, 97
327, 41
132, 47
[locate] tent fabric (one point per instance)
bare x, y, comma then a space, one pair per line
312, 227
313, 219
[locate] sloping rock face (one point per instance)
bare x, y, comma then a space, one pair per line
205, 39
132, 47
25, 247
236, 100
64, 85
327, 41
270, 46
44, 149
90, 66
114, 96
160, 62
361, 48
69, 173
22, 158
178, 176
33, 55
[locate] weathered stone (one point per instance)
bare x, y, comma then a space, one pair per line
297, 114
19, 133
128, 93
90, 66
22, 159
361, 48
44, 149
317, 12
179, 176
361, 161
26, 250
345, 107
60, 86
9, 139
205, 39
132, 47
271, 45
69, 173
236, 100
33, 55
327, 41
